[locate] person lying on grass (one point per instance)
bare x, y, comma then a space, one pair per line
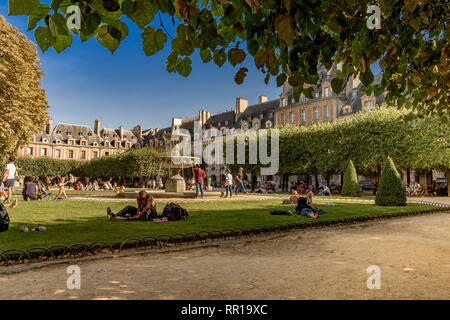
146, 210
304, 209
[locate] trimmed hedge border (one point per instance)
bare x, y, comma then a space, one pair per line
81, 249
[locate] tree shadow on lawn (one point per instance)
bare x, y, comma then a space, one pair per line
82, 221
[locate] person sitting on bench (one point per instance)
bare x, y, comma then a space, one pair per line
146, 210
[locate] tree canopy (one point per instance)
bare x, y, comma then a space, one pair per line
366, 138
22, 101
287, 39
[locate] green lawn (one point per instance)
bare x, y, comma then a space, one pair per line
71, 221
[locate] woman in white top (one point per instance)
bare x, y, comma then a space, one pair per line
228, 183
9, 177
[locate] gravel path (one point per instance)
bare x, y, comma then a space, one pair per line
327, 263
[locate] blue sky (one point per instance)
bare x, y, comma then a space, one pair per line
86, 82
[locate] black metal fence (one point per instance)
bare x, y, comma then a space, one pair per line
80, 249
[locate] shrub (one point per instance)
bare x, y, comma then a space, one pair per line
351, 187
390, 189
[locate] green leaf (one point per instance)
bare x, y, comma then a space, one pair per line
253, 47
141, 12
296, 79
56, 4
337, 85
171, 62
285, 28
240, 75
111, 5
367, 77
220, 57
105, 39
281, 79
236, 56
205, 55
184, 67
18, 7
62, 42
153, 41
39, 13
57, 25
90, 23
44, 38
267, 78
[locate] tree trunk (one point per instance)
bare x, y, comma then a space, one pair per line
316, 182
408, 177
447, 175
378, 173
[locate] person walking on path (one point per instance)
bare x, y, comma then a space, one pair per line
199, 176
228, 183
239, 181
9, 177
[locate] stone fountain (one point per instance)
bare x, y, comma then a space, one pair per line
175, 185
175, 182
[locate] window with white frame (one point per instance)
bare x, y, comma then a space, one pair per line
327, 91
291, 117
70, 154
303, 115
255, 125
43, 152
282, 119
58, 153
316, 113
83, 155
325, 111
29, 151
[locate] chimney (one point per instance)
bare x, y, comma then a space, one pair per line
139, 131
121, 132
97, 127
262, 98
203, 116
176, 123
49, 126
241, 105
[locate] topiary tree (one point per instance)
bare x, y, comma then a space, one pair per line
351, 187
390, 189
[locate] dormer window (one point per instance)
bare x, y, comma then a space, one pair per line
69, 133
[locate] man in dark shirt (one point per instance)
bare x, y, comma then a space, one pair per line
146, 210
239, 181
199, 176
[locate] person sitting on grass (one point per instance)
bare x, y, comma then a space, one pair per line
62, 191
145, 211
30, 190
294, 197
326, 191
304, 209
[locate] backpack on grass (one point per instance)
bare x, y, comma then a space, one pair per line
174, 212
4, 218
